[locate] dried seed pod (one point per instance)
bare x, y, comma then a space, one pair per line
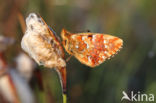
41, 43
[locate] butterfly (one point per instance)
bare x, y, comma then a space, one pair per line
91, 49
43, 45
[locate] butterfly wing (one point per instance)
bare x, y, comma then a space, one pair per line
93, 48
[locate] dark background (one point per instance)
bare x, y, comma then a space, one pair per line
132, 69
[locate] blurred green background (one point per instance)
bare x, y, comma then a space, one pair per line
132, 69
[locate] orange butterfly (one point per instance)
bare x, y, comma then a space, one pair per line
91, 49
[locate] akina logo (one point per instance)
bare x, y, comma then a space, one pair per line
137, 96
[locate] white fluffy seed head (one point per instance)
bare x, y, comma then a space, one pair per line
40, 44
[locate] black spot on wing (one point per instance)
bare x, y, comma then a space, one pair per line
90, 36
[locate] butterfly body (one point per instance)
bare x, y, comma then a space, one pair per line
91, 49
